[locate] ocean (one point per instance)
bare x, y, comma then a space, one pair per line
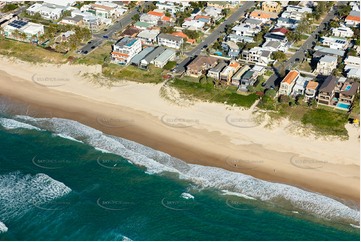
62, 180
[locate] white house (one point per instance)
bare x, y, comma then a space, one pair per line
193, 24
295, 12
102, 9
352, 67
342, 31
337, 43
326, 65
125, 49
169, 40
46, 10
246, 30
300, 86
288, 82
31, 31
148, 36
213, 12
257, 55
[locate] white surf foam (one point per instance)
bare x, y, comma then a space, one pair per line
13, 124
69, 138
21, 192
237, 194
187, 196
203, 176
3, 228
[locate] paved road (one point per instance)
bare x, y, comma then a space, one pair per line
221, 28
98, 38
275, 79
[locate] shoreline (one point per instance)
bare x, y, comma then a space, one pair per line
194, 141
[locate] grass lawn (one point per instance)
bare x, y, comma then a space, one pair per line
29, 52
207, 92
132, 73
305, 66
97, 56
326, 122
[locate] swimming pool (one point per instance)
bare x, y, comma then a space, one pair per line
343, 106
348, 88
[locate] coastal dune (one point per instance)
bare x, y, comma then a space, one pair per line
202, 133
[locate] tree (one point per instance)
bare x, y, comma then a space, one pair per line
343, 10
167, 30
136, 17
225, 11
293, 36
334, 24
278, 55
167, 14
191, 33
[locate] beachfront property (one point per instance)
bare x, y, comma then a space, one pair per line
170, 41
23, 31
200, 65
46, 10
300, 86
162, 59
228, 71
311, 91
77, 20
273, 7
326, 65
236, 79
337, 92
337, 43
141, 55
263, 16
288, 82
149, 59
342, 31
247, 80
216, 71
125, 49
148, 37
257, 55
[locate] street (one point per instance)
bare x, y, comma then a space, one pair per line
221, 28
275, 79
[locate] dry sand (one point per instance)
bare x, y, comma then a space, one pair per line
198, 132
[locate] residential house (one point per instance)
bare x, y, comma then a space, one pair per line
46, 10
24, 31
279, 31
203, 18
272, 46
347, 94
244, 29
311, 91
257, 55
288, 82
222, 4
253, 22
162, 59
295, 12
342, 31
320, 51
148, 37
131, 32
193, 24
76, 20
300, 86
170, 41
200, 65
263, 16
213, 12
327, 91
89, 19
216, 71
64, 37
326, 65
229, 71
125, 49
355, 6
104, 10
141, 55
273, 7
276, 37
352, 67
151, 17
287, 23
236, 38
143, 25
149, 59
236, 79
170, 7
231, 48
184, 36
337, 43
248, 79
353, 19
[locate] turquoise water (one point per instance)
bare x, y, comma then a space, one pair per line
54, 185
343, 105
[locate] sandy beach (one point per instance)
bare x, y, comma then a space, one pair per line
197, 132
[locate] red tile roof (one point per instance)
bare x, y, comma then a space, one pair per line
154, 13
291, 76
282, 30
353, 18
